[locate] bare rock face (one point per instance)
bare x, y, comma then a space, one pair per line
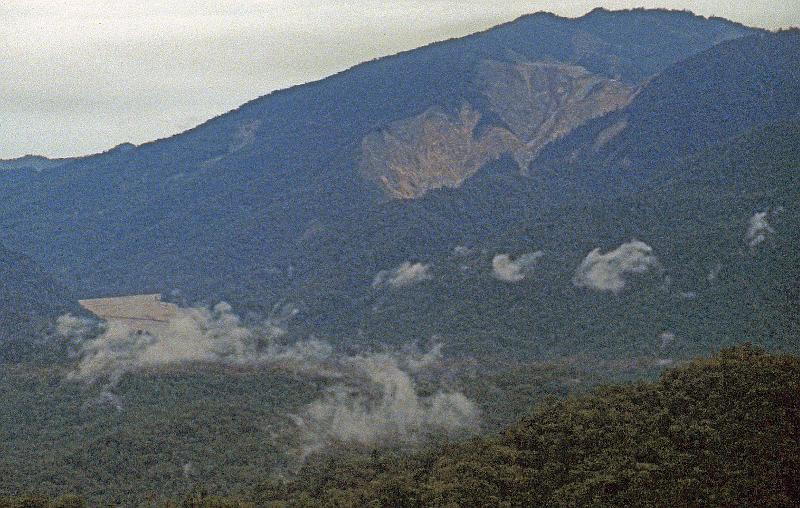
541, 102
538, 102
429, 151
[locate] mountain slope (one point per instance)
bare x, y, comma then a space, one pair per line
695, 209
224, 201
709, 282
224, 223
696, 103
528, 211
30, 301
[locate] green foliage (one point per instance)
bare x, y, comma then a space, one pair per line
225, 428
219, 218
200, 498
723, 431
31, 501
192, 213
30, 301
718, 432
176, 429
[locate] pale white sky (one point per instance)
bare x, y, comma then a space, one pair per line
80, 76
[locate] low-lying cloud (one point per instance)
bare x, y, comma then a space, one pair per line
194, 334
607, 272
404, 275
508, 270
378, 401
758, 229
714, 272
370, 399
72, 326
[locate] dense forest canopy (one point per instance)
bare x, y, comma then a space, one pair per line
723, 431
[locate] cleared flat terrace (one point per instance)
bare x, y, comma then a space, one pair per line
139, 312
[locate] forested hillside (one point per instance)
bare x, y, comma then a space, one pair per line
558, 210
723, 431
719, 432
693, 105
695, 215
30, 301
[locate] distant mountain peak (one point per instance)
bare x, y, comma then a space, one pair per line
32, 162
123, 147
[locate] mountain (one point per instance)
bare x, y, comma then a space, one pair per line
426, 245
708, 281
30, 301
694, 208
226, 202
540, 140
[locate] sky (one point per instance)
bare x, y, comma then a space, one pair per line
81, 76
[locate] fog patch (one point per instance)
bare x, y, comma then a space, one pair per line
68, 325
377, 402
713, 274
758, 229
508, 270
666, 339
607, 272
193, 334
425, 360
106, 398
404, 275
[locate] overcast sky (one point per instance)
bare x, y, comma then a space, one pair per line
80, 76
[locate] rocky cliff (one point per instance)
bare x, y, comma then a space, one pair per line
531, 103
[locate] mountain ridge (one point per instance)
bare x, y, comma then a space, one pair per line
244, 185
